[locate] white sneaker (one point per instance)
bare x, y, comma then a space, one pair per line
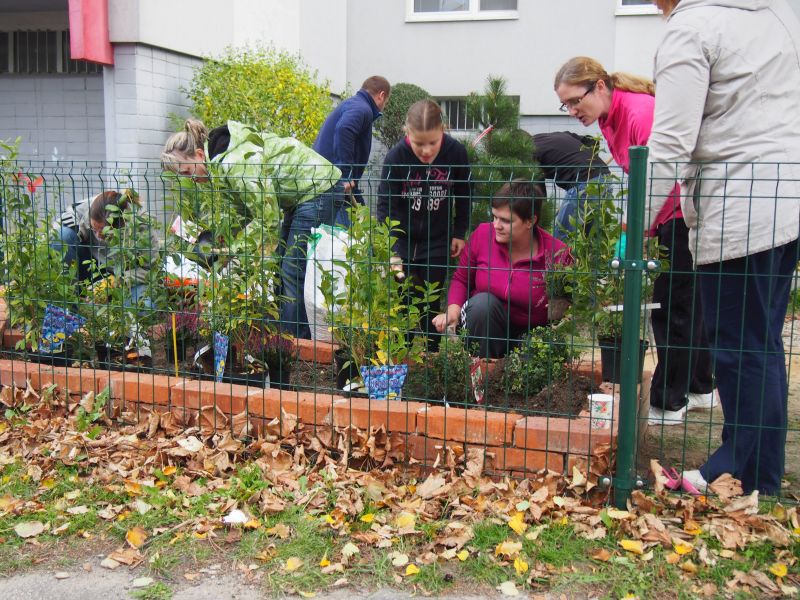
658, 416
696, 479
702, 401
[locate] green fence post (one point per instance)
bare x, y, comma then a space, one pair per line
633, 266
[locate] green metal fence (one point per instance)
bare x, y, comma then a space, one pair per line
165, 302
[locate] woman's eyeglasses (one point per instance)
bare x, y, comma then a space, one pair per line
573, 102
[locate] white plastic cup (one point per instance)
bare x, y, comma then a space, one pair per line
601, 409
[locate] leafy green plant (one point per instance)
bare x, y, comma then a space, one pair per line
590, 282
504, 153
264, 87
90, 411
543, 357
31, 271
374, 314
126, 294
451, 368
241, 290
389, 128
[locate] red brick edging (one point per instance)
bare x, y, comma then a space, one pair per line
515, 443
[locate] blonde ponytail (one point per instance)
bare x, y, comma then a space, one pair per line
586, 71
183, 144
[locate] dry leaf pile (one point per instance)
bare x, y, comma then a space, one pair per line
304, 466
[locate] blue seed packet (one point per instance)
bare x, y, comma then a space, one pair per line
384, 382
220, 353
58, 324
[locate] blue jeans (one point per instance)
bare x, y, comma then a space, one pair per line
342, 205
574, 199
744, 304
74, 250
296, 227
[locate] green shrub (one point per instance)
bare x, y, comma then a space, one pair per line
451, 370
389, 128
541, 359
503, 154
269, 89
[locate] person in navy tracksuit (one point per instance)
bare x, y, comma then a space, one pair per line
345, 139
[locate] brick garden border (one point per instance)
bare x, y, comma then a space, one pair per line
514, 443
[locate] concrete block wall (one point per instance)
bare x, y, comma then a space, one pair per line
142, 91
59, 117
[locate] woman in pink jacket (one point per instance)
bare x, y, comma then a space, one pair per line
623, 106
498, 291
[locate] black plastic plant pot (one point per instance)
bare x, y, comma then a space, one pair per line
261, 379
280, 375
611, 358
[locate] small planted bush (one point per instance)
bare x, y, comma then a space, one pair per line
271, 90
543, 358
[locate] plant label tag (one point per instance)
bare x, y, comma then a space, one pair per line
477, 373
186, 230
220, 354
58, 324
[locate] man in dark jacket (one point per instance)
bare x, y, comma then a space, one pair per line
346, 139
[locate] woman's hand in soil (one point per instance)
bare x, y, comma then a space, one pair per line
448, 320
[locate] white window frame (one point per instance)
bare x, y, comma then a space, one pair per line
640, 9
473, 14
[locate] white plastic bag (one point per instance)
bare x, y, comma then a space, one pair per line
325, 245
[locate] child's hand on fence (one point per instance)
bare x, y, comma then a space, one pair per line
456, 247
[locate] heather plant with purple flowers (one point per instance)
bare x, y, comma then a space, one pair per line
269, 349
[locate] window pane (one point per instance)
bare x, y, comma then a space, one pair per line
440, 5
498, 4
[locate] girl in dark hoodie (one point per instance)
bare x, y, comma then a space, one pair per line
425, 185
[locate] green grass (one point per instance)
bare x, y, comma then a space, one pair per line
155, 591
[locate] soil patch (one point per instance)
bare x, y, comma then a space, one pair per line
565, 398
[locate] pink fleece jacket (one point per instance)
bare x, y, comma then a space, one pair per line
485, 266
628, 123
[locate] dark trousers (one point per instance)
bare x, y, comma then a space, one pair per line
486, 320
744, 305
684, 363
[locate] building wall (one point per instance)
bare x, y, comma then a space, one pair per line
455, 58
142, 93
59, 117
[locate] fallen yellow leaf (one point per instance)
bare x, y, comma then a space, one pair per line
367, 518
292, 564
412, 570
307, 594
170, 470
136, 537
508, 549
692, 527
324, 562
634, 546
252, 524
517, 523
405, 520
682, 548
778, 569
520, 566
463, 555
673, 558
